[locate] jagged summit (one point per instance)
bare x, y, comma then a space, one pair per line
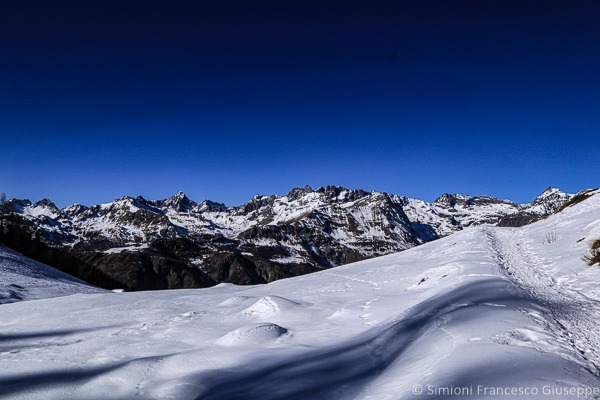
296, 193
328, 193
452, 200
550, 200
209, 205
549, 192
45, 203
74, 209
178, 202
127, 198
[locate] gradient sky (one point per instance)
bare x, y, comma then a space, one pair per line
227, 99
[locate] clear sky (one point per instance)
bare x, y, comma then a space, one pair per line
228, 99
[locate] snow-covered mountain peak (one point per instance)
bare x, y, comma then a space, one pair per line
297, 193
324, 195
453, 200
550, 200
16, 205
178, 202
42, 208
376, 194
342, 194
551, 192
74, 209
124, 199
45, 203
125, 203
179, 196
450, 200
129, 203
210, 206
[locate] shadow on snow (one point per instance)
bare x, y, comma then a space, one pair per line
341, 371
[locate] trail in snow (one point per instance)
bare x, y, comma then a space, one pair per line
575, 315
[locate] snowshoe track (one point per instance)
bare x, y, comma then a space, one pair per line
571, 313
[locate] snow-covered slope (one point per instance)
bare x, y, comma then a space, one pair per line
268, 238
487, 312
24, 279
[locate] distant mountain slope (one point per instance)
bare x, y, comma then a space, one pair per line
24, 279
178, 243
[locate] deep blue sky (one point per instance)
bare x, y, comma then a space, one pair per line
226, 99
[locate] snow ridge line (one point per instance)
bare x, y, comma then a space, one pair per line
573, 313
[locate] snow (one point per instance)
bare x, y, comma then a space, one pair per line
482, 313
39, 211
128, 248
255, 334
24, 279
293, 259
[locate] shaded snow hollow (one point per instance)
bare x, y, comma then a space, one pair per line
483, 309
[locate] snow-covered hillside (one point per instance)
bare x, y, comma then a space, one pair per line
487, 312
24, 279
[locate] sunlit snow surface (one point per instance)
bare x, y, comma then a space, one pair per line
483, 309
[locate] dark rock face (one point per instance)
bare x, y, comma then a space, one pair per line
180, 203
137, 244
519, 219
143, 271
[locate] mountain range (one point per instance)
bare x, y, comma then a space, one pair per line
138, 244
